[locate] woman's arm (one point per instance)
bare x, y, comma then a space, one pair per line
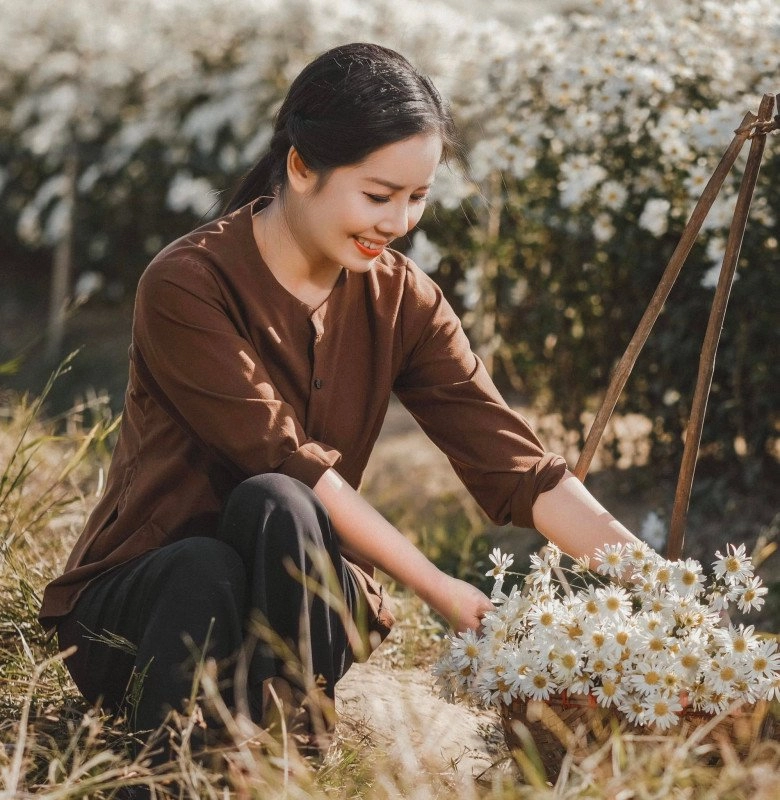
572, 518
567, 515
365, 533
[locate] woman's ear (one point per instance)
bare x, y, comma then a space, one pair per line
300, 178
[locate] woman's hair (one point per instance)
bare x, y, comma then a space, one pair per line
345, 104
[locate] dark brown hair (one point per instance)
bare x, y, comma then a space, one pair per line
345, 104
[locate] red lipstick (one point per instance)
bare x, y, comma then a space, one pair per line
369, 252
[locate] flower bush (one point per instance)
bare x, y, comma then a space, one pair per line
647, 646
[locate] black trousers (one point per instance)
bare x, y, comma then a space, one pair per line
153, 618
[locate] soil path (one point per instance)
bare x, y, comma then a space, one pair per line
401, 713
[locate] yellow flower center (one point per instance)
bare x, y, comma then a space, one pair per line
652, 677
661, 708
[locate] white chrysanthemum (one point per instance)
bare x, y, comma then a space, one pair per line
655, 216
613, 601
751, 595
661, 710
501, 563
739, 640
725, 673
633, 707
648, 676
711, 701
773, 690
613, 195
566, 665
603, 229
687, 578
465, 650
765, 660
734, 567
610, 691
720, 599
538, 683
543, 619
611, 559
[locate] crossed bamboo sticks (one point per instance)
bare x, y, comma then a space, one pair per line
756, 128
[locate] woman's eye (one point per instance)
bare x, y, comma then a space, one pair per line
419, 198
378, 198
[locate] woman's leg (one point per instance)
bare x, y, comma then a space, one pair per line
147, 622
283, 533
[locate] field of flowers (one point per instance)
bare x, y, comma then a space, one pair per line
589, 136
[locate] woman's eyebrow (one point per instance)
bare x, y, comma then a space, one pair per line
394, 186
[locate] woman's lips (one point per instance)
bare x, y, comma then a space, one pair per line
371, 252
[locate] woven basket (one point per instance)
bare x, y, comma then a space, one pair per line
576, 724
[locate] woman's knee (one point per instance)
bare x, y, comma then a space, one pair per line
202, 571
273, 507
284, 492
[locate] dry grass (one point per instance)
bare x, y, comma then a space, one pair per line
55, 746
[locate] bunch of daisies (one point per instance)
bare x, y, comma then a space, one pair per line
641, 634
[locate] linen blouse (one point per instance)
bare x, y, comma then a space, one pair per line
232, 376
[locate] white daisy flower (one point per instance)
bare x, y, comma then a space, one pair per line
501, 562
566, 665
735, 566
751, 595
687, 578
661, 710
613, 601
720, 599
765, 660
610, 691
538, 683
611, 559
633, 708
648, 677
465, 650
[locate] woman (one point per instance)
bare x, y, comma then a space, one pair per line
265, 347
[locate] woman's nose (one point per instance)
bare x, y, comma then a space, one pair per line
395, 222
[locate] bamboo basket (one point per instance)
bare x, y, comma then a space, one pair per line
575, 724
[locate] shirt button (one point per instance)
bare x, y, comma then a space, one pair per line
317, 383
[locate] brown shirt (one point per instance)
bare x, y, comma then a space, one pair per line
232, 376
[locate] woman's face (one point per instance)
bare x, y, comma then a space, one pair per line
359, 209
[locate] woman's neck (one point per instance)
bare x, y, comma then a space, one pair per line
284, 255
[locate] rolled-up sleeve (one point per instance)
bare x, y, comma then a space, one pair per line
492, 448
194, 361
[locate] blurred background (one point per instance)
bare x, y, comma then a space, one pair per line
591, 129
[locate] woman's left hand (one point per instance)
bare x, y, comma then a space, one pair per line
460, 603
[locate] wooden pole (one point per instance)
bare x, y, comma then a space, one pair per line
653, 311
714, 327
